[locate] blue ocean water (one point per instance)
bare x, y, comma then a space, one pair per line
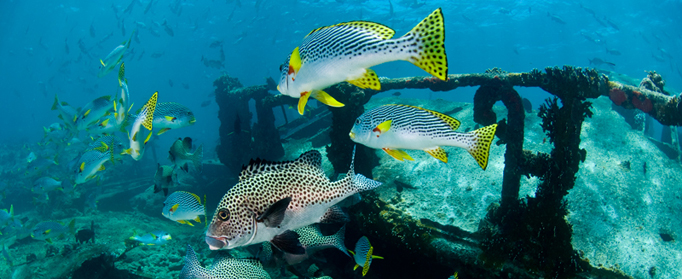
54, 48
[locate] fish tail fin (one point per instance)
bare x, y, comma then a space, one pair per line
429, 36
148, 111
479, 147
121, 75
338, 239
197, 157
193, 268
359, 181
55, 105
72, 226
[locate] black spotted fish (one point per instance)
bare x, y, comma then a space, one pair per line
313, 241
222, 268
345, 52
396, 127
274, 198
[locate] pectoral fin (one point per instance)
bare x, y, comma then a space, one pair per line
162, 131
294, 62
398, 154
288, 242
383, 127
273, 216
368, 80
326, 99
438, 153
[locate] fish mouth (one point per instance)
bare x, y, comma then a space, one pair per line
215, 243
351, 135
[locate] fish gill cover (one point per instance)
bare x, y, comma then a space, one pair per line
582, 181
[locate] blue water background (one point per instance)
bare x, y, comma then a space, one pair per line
258, 36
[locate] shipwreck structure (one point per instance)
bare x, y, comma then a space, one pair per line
528, 236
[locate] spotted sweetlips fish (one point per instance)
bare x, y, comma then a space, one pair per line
272, 199
222, 268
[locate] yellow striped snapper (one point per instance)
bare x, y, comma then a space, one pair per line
183, 206
179, 154
222, 268
93, 111
154, 238
114, 57
90, 163
120, 111
172, 116
45, 185
345, 52
396, 127
48, 230
273, 198
363, 255
144, 119
66, 112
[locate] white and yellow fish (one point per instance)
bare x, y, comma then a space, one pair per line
345, 52
114, 57
144, 119
363, 255
396, 127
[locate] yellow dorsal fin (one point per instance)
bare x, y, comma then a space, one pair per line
381, 31
454, 123
295, 62
438, 153
148, 109
398, 154
383, 127
302, 101
368, 80
326, 99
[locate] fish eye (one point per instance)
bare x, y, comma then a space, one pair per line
357, 121
224, 214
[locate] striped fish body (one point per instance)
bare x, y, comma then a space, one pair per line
262, 185
121, 105
143, 120
90, 163
183, 206
172, 116
393, 128
346, 51
112, 59
92, 112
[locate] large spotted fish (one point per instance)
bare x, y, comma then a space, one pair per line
345, 52
312, 240
274, 198
396, 127
222, 268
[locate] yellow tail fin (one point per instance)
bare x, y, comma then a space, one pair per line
430, 38
480, 148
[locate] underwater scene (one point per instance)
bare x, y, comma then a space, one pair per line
340, 139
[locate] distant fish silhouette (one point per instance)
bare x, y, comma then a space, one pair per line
598, 62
